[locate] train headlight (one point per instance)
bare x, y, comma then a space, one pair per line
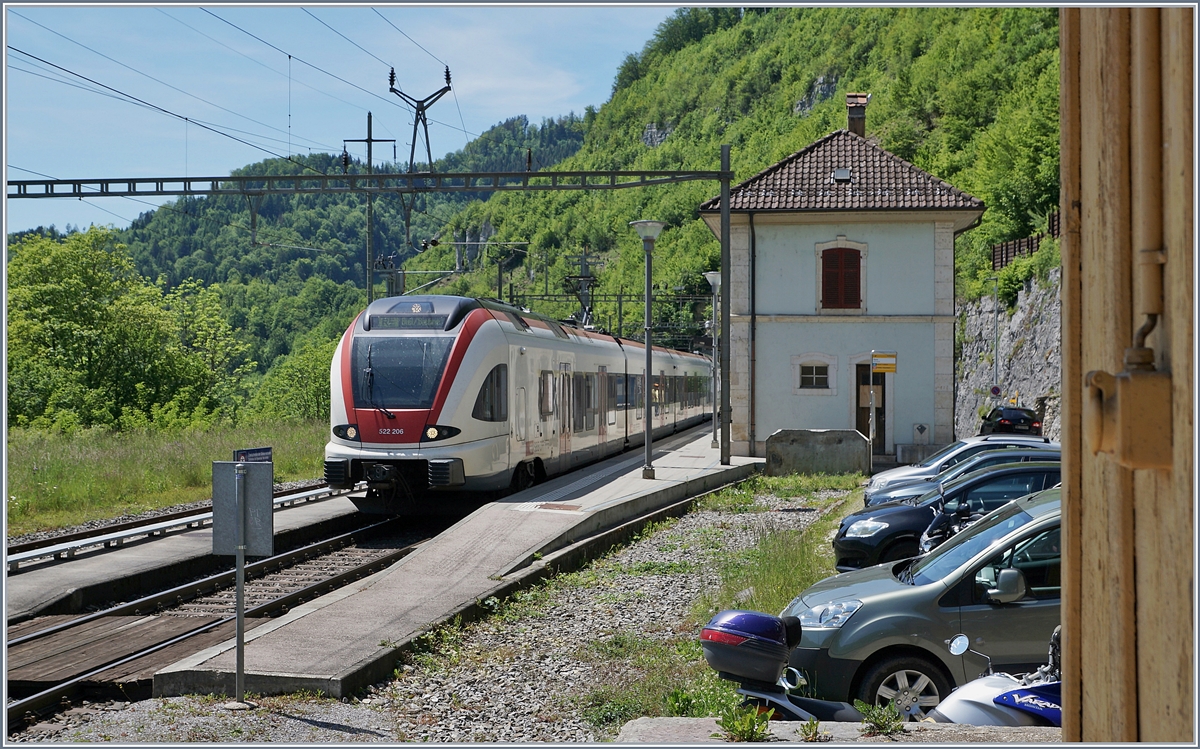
433, 433
346, 431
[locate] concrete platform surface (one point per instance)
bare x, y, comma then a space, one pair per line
353, 637
687, 731
122, 573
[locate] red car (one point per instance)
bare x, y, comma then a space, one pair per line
1011, 421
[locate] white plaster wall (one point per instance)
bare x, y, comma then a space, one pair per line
911, 393
901, 269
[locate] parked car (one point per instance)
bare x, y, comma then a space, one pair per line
1011, 421
975, 463
892, 531
948, 457
879, 634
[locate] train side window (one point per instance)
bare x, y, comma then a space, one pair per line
592, 400
639, 398
610, 384
546, 394
492, 401
577, 403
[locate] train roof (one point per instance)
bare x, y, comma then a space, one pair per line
455, 308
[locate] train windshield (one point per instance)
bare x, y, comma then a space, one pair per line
398, 371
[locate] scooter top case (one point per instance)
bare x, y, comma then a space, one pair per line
749, 646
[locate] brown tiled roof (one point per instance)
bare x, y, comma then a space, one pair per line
878, 181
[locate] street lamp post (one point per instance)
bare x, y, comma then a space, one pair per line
648, 231
714, 280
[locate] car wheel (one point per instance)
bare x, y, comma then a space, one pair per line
913, 684
900, 550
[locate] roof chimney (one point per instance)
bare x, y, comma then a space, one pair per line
856, 118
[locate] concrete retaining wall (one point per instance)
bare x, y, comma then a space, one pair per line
817, 451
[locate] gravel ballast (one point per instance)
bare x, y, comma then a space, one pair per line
507, 678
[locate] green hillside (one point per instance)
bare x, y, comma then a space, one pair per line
970, 95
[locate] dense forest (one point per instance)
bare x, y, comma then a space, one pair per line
183, 317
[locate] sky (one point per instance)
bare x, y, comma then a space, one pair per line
279, 79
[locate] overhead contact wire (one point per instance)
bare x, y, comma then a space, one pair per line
164, 111
393, 102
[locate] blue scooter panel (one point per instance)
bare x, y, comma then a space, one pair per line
1042, 700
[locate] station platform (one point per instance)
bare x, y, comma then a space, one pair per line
353, 637
133, 570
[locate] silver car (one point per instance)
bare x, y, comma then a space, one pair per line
949, 456
879, 634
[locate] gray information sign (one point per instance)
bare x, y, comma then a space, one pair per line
257, 485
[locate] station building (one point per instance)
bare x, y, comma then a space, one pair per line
837, 251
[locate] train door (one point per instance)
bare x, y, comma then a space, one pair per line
602, 406
546, 413
565, 402
520, 419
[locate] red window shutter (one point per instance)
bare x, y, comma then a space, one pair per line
840, 277
850, 279
831, 290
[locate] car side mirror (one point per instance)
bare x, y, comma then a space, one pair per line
950, 506
1010, 587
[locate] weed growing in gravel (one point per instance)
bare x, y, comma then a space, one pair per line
744, 724
642, 676
880, 720
810, 730
706, 695
741, 497
658, 568
769, 575
439, 648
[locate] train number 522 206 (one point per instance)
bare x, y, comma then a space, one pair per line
391, 431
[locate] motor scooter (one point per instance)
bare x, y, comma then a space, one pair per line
1000, 699
954, 517
751, 649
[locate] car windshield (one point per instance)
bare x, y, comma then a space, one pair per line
933, 460
398, 371
960, 549
985, 459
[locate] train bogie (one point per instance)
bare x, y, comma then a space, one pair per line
441, 394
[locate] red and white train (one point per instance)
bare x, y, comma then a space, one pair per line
433, 394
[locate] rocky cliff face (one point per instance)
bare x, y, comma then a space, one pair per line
1030, 357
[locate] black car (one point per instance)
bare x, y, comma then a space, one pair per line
890, 532
1011, 421
977, 462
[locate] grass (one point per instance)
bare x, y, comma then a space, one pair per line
740, 497
58, 480
768, 576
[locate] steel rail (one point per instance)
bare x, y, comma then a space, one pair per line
81, 535
182, 593
406, 182
47, 698
182, 521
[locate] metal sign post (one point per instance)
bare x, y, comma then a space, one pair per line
881, 361
243, 523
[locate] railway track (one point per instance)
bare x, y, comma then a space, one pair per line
54, 661
67, 545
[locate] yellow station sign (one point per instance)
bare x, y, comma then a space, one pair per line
883, 361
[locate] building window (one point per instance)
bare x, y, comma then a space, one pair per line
814, 376
841, 270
